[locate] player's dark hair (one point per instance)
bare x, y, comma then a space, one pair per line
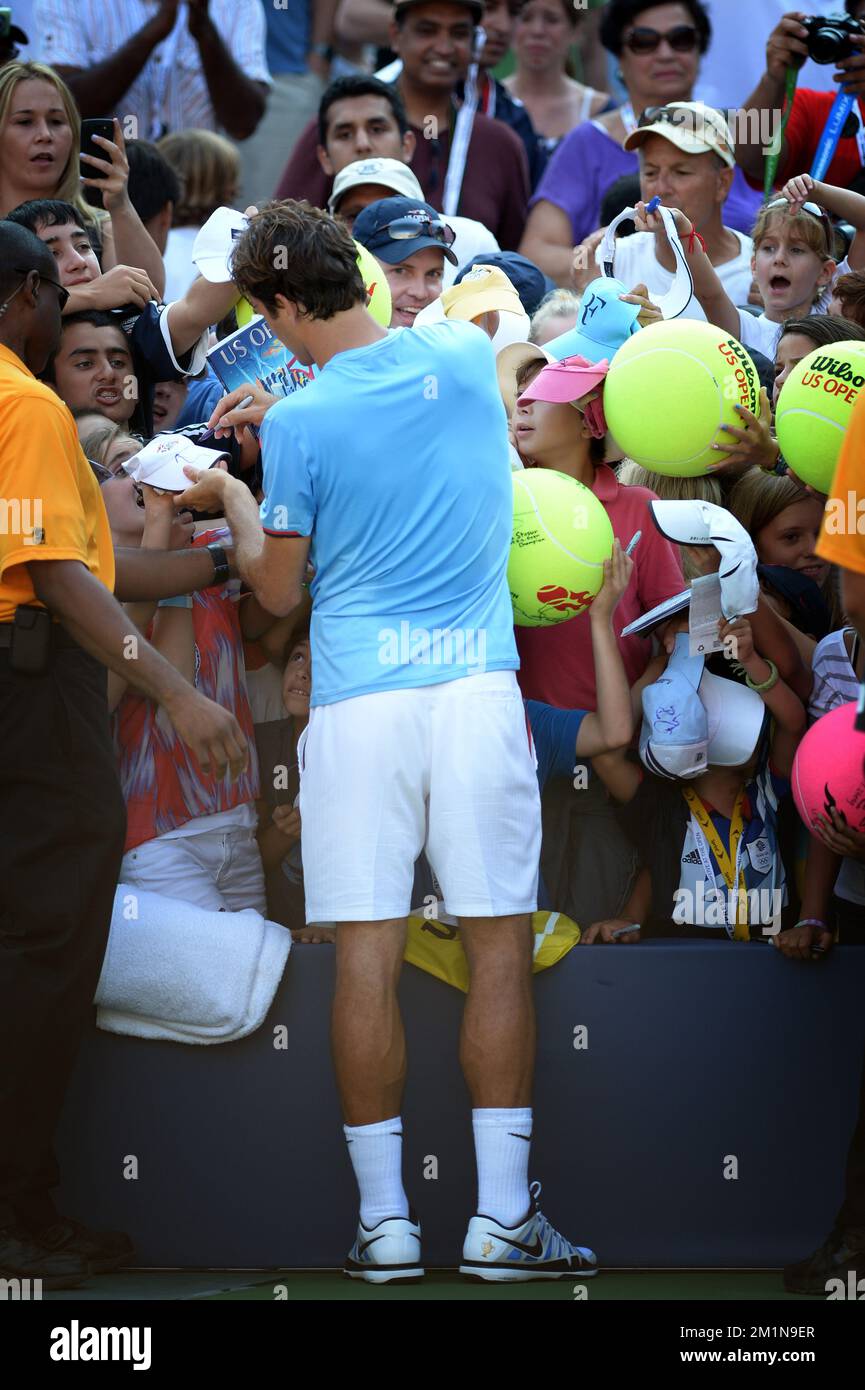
298, 251
620, 14
359, 85
152, 181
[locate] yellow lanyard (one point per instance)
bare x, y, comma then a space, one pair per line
726, 859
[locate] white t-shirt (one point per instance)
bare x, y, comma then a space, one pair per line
736, 59
763, 333
635, 263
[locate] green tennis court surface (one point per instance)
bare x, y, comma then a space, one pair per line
678, 1285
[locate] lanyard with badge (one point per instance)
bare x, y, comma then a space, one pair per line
706, 836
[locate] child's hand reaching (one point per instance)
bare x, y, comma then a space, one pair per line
799, 190
751, 442
738, 640
617, 576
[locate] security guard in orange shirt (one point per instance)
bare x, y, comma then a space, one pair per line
62, 817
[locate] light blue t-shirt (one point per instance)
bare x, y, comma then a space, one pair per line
396, 462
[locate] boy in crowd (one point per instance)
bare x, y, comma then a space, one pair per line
166, 342
411, 243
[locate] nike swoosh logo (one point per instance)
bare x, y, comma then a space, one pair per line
527, 1137
536, 1250
366, 1245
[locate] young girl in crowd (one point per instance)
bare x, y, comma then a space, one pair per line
703, 810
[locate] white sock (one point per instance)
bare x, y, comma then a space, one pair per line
376, 1156
502, 1143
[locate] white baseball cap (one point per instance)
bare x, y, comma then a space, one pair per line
390, 173
160, 463
212, 248
704, 523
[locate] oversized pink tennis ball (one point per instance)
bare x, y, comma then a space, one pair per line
828, 769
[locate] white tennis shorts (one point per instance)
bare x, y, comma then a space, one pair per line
450, 768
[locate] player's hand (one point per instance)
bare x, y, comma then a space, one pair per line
838, 835
603, 933
617, 576
123, 284
213, 734
584, 267
207, 493
287, 821
787, 45
749, 443
649, 312
247, 405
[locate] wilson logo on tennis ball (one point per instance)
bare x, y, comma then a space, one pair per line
842, 370
745, 384
814, 408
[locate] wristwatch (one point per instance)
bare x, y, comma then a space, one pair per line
221, 568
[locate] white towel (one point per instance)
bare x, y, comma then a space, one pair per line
184, 974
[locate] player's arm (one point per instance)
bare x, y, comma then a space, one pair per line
274, 566
613, 724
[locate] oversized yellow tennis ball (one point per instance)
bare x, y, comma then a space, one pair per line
814, 410
669, 390
562, 536
377, 288
243, 312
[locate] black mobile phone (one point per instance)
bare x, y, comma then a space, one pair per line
31, 640
89, 128
5, 21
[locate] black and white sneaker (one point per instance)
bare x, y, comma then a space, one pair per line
532, 1250
388, 1253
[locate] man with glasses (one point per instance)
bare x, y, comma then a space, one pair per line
61, 809
410, 242
687, 160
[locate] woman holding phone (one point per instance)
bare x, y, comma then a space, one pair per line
40, 131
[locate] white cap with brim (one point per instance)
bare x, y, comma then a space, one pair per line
387, 173
212, 248
675, 301
161, 462
693, 522
735, 715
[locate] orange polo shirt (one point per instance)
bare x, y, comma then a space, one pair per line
50, 505
842, 538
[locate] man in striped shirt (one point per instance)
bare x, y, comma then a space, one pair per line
171, 65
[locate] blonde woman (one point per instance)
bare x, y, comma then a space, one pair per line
208, 167
40, 131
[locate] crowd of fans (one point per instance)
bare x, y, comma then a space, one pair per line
478, 151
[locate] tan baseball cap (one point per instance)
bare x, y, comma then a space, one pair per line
484, 288
691, 126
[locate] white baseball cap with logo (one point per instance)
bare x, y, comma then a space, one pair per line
389, 173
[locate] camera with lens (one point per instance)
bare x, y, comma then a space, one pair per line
829, 37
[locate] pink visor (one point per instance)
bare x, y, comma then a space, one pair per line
568, 381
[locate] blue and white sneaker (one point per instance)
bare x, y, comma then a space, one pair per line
387, 1253
532, 1250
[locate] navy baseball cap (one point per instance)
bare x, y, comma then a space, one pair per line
395, 228
529, 281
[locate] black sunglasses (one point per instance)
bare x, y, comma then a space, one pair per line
62, 295
407, 228
683, 39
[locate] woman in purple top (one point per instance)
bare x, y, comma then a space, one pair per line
659, 47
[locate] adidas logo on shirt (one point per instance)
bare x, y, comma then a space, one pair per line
692, 858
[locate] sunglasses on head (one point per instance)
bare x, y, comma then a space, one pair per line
814, 211
684, 38
407, 228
